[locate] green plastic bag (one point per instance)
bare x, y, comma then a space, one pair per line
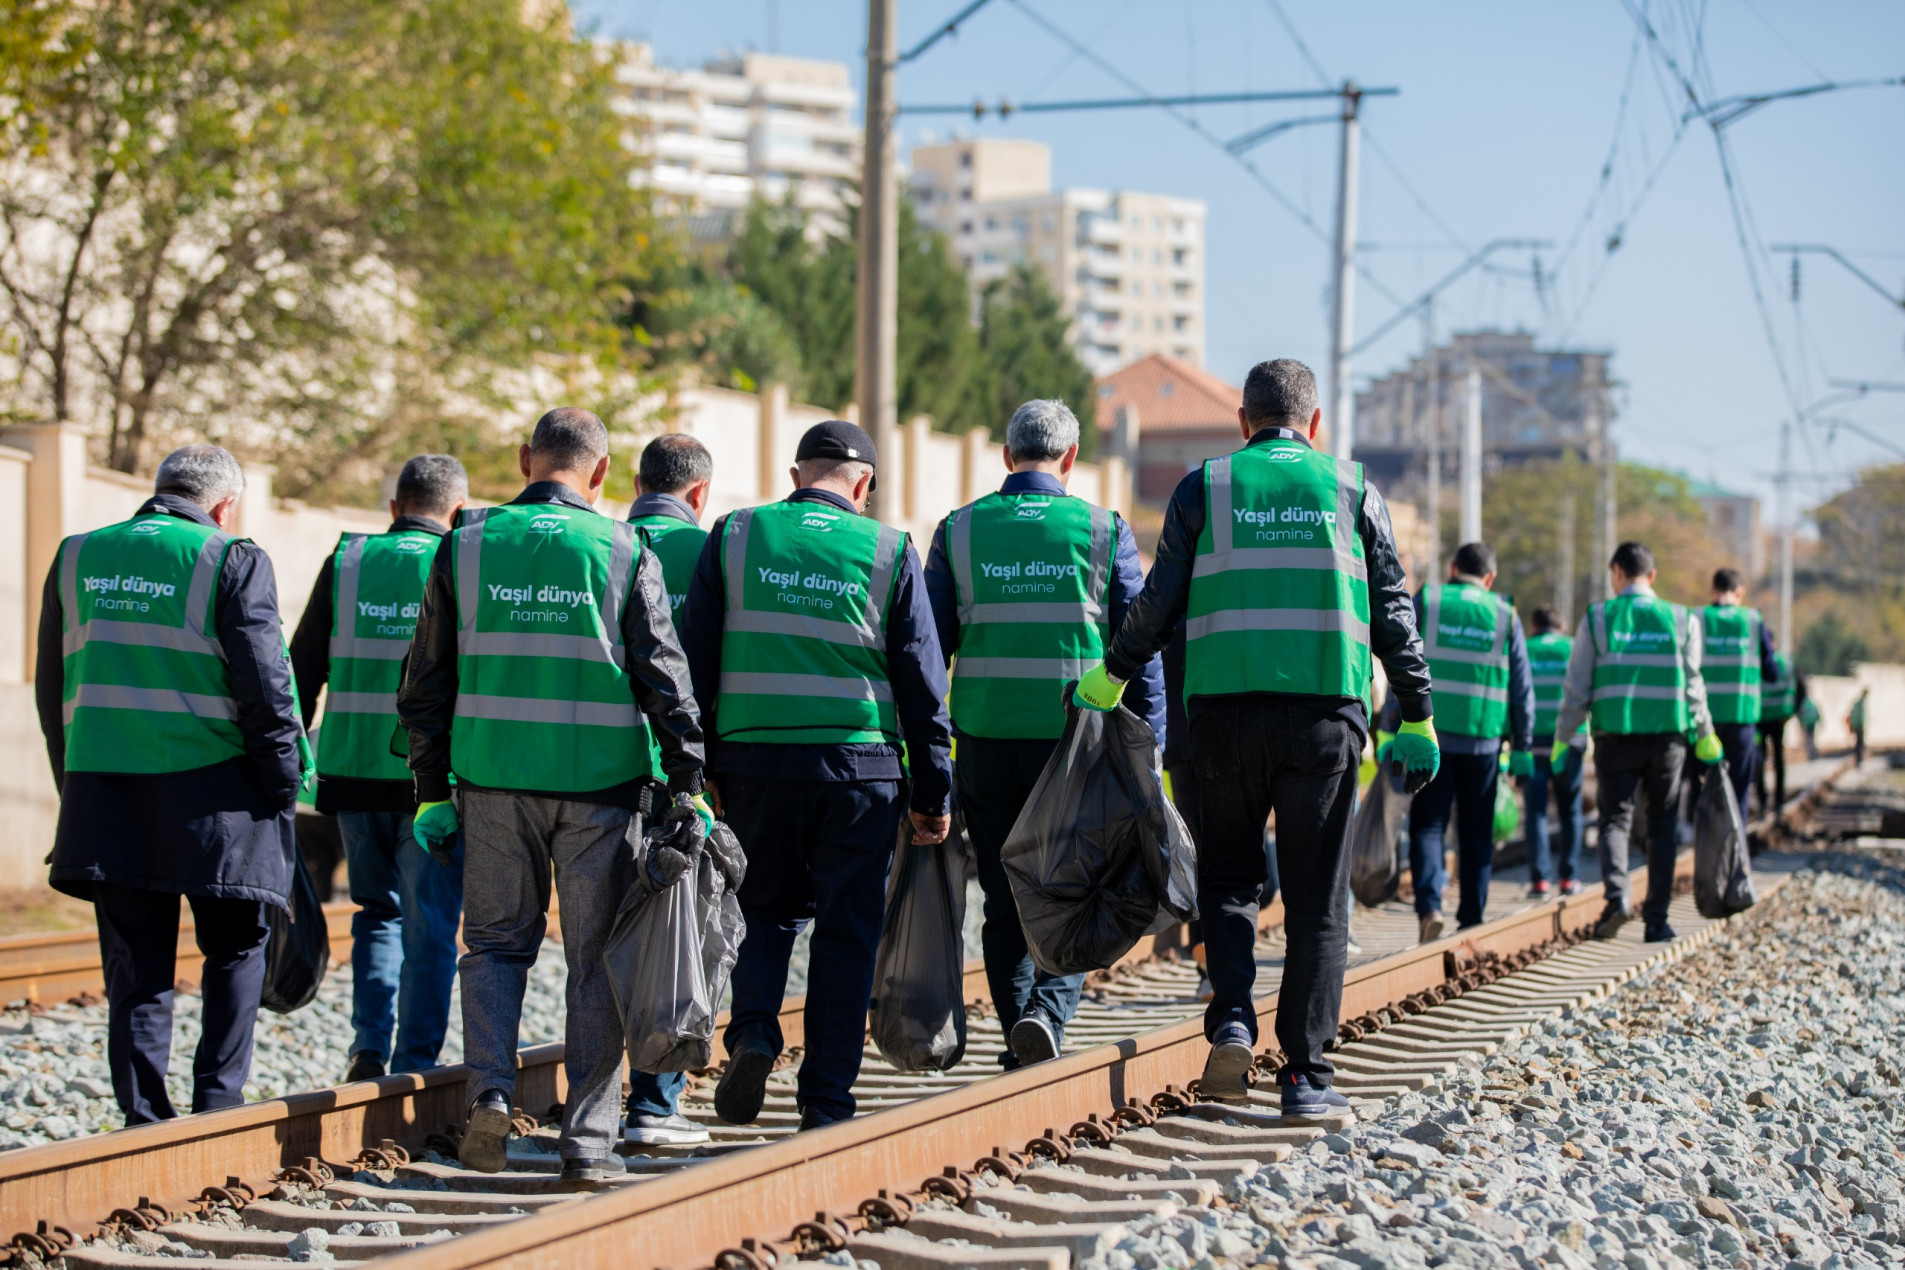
1507, 809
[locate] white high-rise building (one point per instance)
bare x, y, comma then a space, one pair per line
756, 125
1128, 267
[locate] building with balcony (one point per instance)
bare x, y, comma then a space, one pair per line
755, 125
1128, 267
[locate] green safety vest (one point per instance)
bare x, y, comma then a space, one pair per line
544, 701
1032, 575
376, 594
677, 544
803, 643
1640, 684
1776, 699
147, 688
1465, 637
1729, 662
1548, 656
1279, 588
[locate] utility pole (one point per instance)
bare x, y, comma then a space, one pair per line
1472, 459
1433, 510
1564, 565
1608, 534
1342, 419
1784, 512
877, 301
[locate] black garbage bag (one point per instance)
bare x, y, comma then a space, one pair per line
918, 1017
674, 942
1099, 858
1722, 876
298, 951
1375, 868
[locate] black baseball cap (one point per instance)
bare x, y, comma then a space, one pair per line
837, 439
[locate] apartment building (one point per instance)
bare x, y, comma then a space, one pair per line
1127, 266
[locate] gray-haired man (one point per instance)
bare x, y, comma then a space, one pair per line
1027, 586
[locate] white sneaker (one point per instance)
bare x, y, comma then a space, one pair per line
664, 1131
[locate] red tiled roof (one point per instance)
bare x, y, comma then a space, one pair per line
1170, 396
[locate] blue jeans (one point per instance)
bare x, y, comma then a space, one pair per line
1567, 799
403, 939
1464, 788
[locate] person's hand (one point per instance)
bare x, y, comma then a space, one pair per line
705, 810
929, 829
1708, 748
1383, 741
1558, 755
1098, 690
1521, 764
1417, 753
435, 828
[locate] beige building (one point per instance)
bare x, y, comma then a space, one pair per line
1128, 267
757, 125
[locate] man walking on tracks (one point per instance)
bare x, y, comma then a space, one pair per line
165, 698
1635, 674
1027, 585
1549, 649
1736, 657
1281, 562
1778, 702
808, 631
543, 658
1478, 660
354, 635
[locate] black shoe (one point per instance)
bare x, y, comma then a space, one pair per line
743, 1086
1660, 933
591, 1169
815, 1118
1034, 1039
1612, 918
365, 1065
1303, 1100
485, 1145
1226, 1075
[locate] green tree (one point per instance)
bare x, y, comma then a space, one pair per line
1025, 352
1831, 647
1853, 586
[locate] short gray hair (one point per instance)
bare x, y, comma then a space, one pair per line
203, 474
569, 439
1041, 430
431, 484
1280, 392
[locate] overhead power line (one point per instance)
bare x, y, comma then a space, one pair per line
1006, 108
1730, 110
1821, 249
949, 27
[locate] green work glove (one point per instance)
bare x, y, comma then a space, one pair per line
1708, 748
1521, 763
1558, 755
1416, 751
435, 828
704, 810
1098, 690
1383, 741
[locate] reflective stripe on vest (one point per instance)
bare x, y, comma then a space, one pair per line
377, 595
1548, 657
1030, 545
1279, 598
1729, 662
1638, 691
1776, 699
147, 689
1471, 682
803, 643
536, 709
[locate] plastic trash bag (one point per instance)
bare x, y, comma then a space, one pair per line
1099, 858
1375, 868
674, 942
918, 1017
1722, 877
1507, 809
298, 950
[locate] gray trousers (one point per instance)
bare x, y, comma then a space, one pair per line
511, 843
1645, 768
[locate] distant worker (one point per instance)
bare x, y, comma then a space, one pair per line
671, 492
1736, 658
1855, 720
1778, 703
544, 661
1281, 564
1635, 674
1026, 586
812, 645
172, 726
354, 635
1548, 651
1808, 720
1478, 661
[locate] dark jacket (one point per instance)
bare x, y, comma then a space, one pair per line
311, 659
223, 831
662, 505
1521, 700
426, 703
1393, 637
914, 663
1145, 696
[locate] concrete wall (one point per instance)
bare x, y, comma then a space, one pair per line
1884, 711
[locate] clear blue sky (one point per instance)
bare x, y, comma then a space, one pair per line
1506, 117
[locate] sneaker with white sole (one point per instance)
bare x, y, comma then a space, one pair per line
1227, 1071
674, 1130
1034, 1039
1304, 1100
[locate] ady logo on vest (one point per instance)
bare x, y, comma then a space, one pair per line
417, 546
1286, 456
819, 522
546, 523
145, 530
1031, 511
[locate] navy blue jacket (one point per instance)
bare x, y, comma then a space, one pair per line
223, 831
1145, 696
916, 666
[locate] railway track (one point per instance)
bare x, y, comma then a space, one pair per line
1029, 1168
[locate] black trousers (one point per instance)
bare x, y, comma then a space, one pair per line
1739, 742
1629, 767
992, 779
1772, 736
138, 947
1253, 758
